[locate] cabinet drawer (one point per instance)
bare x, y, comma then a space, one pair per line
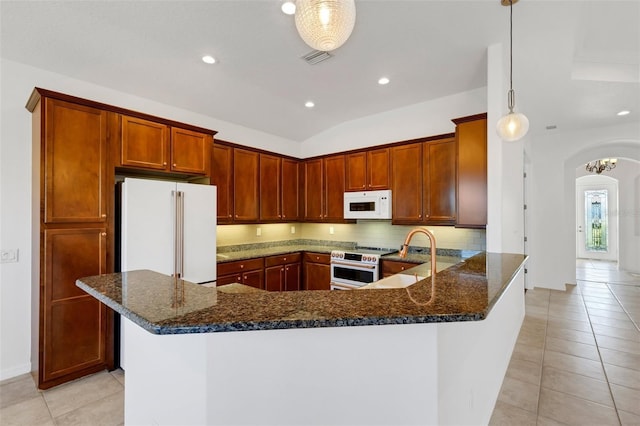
239, 266
317, 258
282, 259
390, 267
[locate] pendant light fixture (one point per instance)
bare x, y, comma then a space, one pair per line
325, 24
512, 126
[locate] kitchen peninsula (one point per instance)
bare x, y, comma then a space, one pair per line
431, 353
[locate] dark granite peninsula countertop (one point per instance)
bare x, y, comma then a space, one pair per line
164, 305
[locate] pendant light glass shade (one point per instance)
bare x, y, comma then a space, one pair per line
513, 126
325, 24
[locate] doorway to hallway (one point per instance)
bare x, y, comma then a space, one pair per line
597, 218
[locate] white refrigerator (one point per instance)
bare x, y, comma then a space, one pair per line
168, 227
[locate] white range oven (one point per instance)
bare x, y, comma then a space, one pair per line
353, 269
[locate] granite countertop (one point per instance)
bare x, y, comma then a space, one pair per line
164, 305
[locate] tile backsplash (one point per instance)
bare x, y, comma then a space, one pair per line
367, 233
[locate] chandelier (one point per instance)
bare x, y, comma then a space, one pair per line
604, 165
512, 126
325, 25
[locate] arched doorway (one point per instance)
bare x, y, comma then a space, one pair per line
597, 217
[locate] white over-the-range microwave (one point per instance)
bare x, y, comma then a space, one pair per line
367, 205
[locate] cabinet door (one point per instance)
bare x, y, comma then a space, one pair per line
334, 188
74, 158
317, 276
245, 185
274, 278
290, 190
73, 335
378, 170
313, 183
221, 176
292, 277
145, 144
270, 186
406, 169
440, 182
356, 171
471, 140
254, 278
190, 151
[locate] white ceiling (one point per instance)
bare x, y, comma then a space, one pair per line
576, 63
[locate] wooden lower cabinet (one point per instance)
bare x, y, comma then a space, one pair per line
316, 271
392, 267
75, 327
248, 272
282, 272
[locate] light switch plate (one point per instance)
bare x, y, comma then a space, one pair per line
8, 255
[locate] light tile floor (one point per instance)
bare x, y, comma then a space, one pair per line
576, 361
577, 358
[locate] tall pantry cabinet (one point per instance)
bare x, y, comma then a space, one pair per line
79, 146
75, 330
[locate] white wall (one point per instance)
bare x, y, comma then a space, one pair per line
410, 122
551, 198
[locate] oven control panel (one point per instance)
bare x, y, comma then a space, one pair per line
356, 258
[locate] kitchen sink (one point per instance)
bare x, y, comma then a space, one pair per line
395, 281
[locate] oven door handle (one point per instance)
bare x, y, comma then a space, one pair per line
354, 266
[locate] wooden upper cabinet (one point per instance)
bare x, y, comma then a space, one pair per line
378, 169
222, 177
334, 171
356, 171
151, 145
190, 151
406, 187
471, 144
440, 182
367, 170
75, 162
290, 189
270, 187
145, 144
313, 190
246, 181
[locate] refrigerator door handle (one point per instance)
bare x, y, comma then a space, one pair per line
181, 242
176, 233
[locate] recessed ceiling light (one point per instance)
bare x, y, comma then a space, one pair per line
309, 104
288, 7
383, 80
624, 112
208, 59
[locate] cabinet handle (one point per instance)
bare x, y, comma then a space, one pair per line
363, 186
239, 279
241, 266
287, 269
174, 164
420, 216
283, 216
104, 234
236, 215
103, 215
164, 164
402, 268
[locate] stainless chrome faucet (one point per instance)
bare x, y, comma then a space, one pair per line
432, 242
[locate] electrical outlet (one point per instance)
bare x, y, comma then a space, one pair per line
331, 230
293, 229
258, 231
8, 255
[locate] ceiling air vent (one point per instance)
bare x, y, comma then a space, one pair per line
316, 56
